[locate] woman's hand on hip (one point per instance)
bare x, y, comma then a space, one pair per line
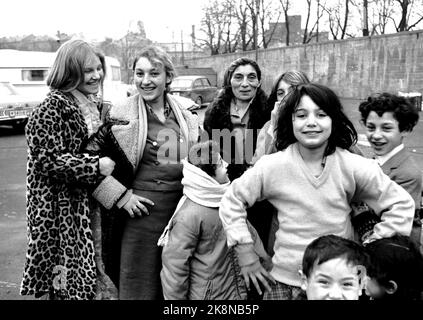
106, 165
135, 206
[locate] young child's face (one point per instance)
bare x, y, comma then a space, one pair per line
312, 126
221, 172
334, 279
383, 132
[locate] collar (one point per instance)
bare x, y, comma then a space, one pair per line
166, 109
382, 159
82, 98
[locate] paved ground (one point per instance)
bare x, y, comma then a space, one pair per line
12, 197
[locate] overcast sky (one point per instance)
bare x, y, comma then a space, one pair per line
100, 18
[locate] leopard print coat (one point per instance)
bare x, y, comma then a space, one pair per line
60, 256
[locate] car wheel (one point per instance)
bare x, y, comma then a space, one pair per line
20, 125
199, 101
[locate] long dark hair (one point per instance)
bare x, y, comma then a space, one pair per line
343, 133
218, 113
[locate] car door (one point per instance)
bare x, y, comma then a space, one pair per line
208, 90
198, 89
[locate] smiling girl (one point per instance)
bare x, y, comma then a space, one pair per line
311, 181
143, 190
60, 261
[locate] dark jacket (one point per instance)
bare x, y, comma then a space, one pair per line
218, 116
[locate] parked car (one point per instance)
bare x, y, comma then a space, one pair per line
15, 108
196, 88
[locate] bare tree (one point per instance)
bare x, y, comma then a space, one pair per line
216, 25
266, 15
285, 4
406, 11
253, 6
338, 15
245, 33
382, 12
308, 35
365, 18
402, 26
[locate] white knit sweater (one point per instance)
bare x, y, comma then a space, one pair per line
309, 207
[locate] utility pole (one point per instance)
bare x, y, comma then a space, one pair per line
193, 37
317, 22
256, 28
365, 19
182, 48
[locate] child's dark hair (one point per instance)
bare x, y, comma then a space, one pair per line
403, 110
205, 155
343, 133
398, 259
330, 247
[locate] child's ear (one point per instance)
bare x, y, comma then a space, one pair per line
303, 280
392, 287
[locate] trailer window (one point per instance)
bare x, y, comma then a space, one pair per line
34, 75
115, 73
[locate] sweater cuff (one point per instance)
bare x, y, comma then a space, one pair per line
124, 199
246, 254
108, 192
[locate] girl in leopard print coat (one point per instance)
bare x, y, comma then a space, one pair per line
60, 258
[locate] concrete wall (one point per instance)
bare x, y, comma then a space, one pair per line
354, 68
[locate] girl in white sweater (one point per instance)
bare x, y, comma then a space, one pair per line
311, 181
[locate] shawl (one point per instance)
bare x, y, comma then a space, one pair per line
89, 109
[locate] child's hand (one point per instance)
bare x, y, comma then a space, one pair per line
251, 267
274, 114
106, 166
135, 205
256, 272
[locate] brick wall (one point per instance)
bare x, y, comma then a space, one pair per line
354, 68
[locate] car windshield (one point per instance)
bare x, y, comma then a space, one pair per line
181, 83
6, 89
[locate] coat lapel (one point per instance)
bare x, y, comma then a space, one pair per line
127, 134
394, 162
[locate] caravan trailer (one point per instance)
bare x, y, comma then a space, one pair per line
27, 72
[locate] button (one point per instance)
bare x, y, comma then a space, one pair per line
157, 163
155, 143
181, 140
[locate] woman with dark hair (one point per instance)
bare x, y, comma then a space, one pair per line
234, 119
147, 135
239, 111
60, 261
311, 182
